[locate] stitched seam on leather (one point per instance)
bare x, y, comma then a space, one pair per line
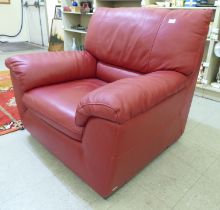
100, 104
15, 66
111, 160
18, 80
150, 53
93, 116
97, 104
191, 75
35, 114
18, 76
122, 68
39, 113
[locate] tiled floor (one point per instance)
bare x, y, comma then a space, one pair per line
185, 177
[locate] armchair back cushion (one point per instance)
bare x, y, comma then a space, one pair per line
140, 42
110, 73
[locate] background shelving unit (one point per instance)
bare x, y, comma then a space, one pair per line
210, 63
74, 18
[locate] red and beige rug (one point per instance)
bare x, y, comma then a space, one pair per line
9, 117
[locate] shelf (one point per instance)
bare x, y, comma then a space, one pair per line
209, 87
75, 31
212, 8
77, 13
207, 91
208, 39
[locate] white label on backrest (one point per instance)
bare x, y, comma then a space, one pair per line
171, 20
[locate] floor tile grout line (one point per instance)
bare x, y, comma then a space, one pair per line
58, 172
213, 162
30, 187
193, 167
201, 175
186, 192
143, 188
188, 131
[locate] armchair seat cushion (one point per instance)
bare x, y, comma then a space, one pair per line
56, 104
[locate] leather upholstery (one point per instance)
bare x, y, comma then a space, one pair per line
148, 39
100, 110
127, 42
32, 72
124, 99
170, 44
63, 100
112, 73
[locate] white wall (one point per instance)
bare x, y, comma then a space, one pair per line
50, 5
10, 20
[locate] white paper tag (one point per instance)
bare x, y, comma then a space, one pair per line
171, 20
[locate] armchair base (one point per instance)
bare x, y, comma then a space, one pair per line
108, 159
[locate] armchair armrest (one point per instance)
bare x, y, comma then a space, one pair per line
40, 69
35, 70
126, 98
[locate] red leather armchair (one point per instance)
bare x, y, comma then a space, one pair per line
108, 111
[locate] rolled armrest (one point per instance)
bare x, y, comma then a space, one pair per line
47, 68
35, 70
126, 98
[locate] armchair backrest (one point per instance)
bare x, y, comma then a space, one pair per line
144, 40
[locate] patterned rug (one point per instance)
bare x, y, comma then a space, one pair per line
9, 117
